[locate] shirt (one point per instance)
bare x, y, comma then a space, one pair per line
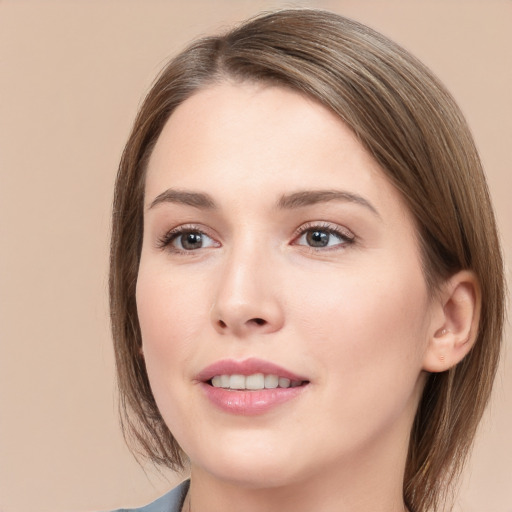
170, 502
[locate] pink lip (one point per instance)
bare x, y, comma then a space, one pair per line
245, 367
243, 402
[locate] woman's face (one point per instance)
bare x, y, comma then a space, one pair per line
276, 253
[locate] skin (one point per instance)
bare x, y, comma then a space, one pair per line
354, 317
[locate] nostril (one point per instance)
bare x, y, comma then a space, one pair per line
255, 322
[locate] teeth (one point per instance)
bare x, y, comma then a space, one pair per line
284, 382
256, 381
237, 382
253, 382
271, 381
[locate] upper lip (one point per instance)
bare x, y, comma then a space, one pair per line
246, 367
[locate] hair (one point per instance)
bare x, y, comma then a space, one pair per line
412, 127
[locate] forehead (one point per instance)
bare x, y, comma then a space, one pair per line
255, 141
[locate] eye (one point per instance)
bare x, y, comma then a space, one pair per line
186, 239
191, 240
323, 236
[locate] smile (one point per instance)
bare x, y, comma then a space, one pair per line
254, 382
250, 387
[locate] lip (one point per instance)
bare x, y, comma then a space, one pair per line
245, 367
245, 402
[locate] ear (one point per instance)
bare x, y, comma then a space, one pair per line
455, 320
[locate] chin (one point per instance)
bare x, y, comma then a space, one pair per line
255, 477
253, 468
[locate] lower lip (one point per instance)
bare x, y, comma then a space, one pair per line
250, 403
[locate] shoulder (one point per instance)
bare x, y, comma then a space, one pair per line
170, 502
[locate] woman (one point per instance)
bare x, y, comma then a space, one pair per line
306, 280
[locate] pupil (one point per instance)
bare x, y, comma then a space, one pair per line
318, 238
191, 241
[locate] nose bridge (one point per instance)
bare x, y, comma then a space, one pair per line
247, 298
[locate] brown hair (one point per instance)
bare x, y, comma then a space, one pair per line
411, 125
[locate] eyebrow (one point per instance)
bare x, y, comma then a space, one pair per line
287, 201
311, 197
195, 199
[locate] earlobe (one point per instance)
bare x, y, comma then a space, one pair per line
455, 330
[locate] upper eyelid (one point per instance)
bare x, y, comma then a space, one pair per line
324, 226
200, 228
169, 235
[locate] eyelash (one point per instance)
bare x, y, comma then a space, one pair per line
346, 237
165, 242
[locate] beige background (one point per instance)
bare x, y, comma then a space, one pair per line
71, 77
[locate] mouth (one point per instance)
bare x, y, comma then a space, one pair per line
254, 382
250, 374
250, 387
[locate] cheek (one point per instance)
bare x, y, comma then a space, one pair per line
170, 319
368, 338
370, 327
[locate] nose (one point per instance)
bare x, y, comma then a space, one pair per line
247, 299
